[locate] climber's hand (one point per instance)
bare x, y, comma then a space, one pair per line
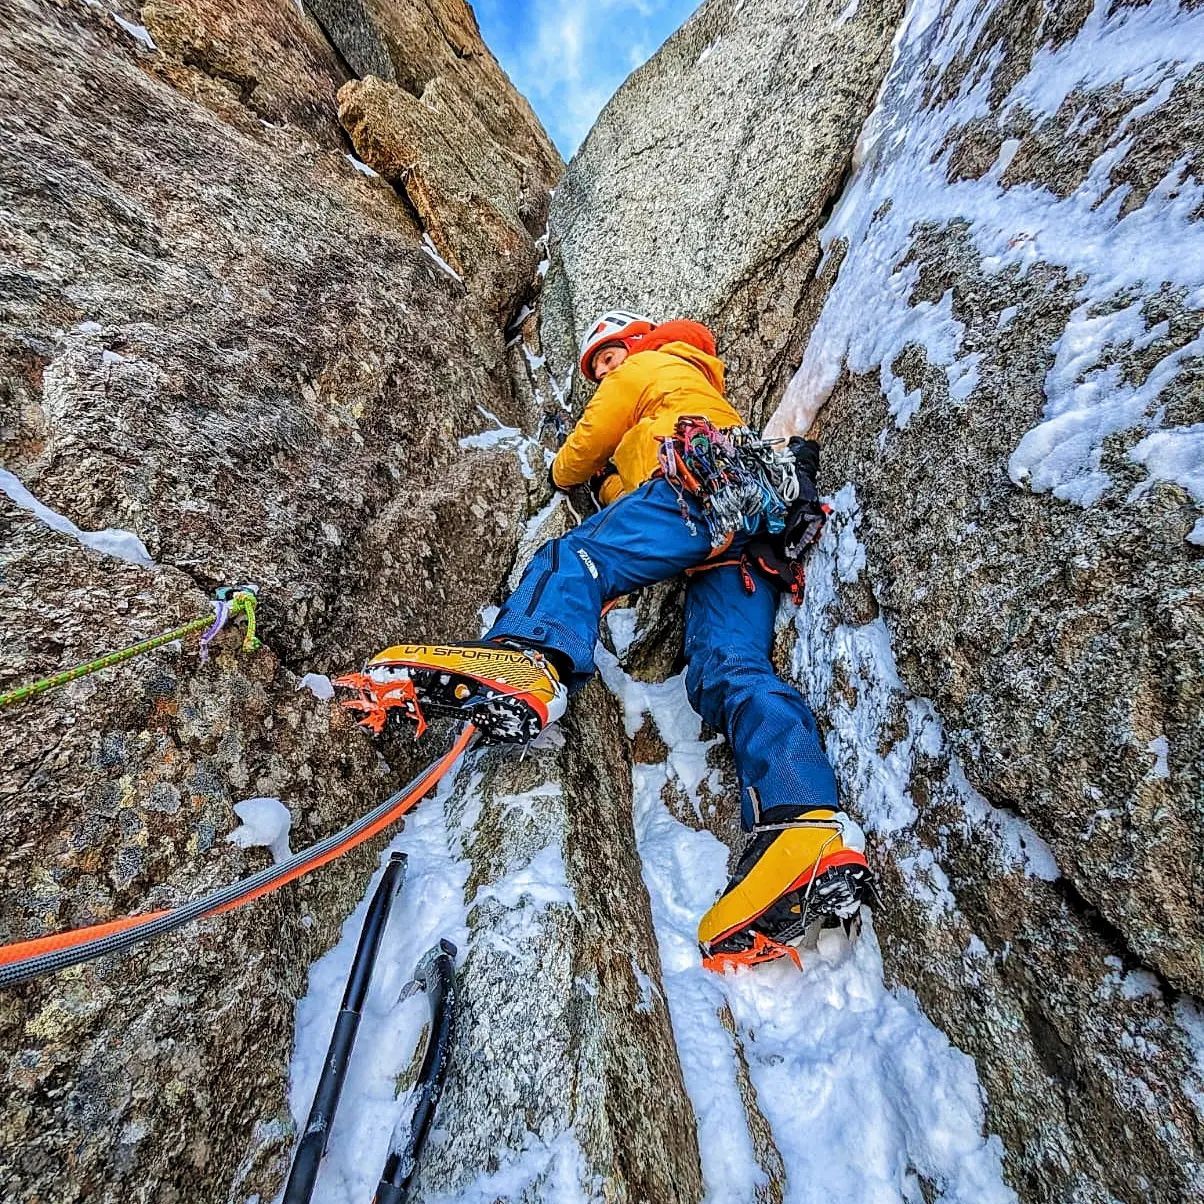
806, 463
597, 481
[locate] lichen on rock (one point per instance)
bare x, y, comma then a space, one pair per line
224, 339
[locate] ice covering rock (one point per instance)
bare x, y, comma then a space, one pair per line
583, 1097
965, 234
123, 544
1001, 352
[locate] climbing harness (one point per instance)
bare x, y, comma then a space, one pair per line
24, 960
227, 603
742, 482
737, 478
312, 1146
435, 976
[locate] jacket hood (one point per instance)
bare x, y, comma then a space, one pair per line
709, 365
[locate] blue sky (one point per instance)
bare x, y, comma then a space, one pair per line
567, 57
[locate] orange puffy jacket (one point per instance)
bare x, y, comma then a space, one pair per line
641, 399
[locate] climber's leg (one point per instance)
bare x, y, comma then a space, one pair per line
795, 870
513, 683
732, 685
636, 541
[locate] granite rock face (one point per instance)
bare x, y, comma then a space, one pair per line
459, 143
592, 1070
221, 336
266, 281
1004, 632
1005, 367
703, 184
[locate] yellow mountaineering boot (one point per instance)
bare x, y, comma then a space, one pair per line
509, 693
793, 878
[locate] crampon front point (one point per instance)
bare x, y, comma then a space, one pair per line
761, 949
508, 694
375, 699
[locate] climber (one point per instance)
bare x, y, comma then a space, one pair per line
659, 405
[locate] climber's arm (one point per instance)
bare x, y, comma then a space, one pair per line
608, 417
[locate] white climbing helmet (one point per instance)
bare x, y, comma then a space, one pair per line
612, 327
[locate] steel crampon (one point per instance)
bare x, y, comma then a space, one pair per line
375, 699
764, 949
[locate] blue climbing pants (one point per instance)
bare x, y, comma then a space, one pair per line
639, 540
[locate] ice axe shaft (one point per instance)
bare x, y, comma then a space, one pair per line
312, 1147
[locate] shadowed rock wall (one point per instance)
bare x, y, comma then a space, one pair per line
221, 334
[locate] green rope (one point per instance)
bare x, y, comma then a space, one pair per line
243, 602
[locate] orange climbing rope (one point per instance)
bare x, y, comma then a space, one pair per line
24, 960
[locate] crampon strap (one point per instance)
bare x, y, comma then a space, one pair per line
376, 699
764, 949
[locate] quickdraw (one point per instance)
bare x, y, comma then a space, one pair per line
738, 479
228, 602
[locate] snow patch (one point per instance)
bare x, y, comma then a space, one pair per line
138, 32
1191, 1021
894, 1095
541, 883
490, 439
365, 170
1085, 404
552, 1172
429, 247
265, 824
1161, 748
319, 685
649, 992
112, 541
527, 803
1016, 838
679, 726
621, 623
876, 771
901, 185
524, 447
1175, 455
429, 907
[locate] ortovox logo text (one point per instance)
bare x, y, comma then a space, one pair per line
589, 564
